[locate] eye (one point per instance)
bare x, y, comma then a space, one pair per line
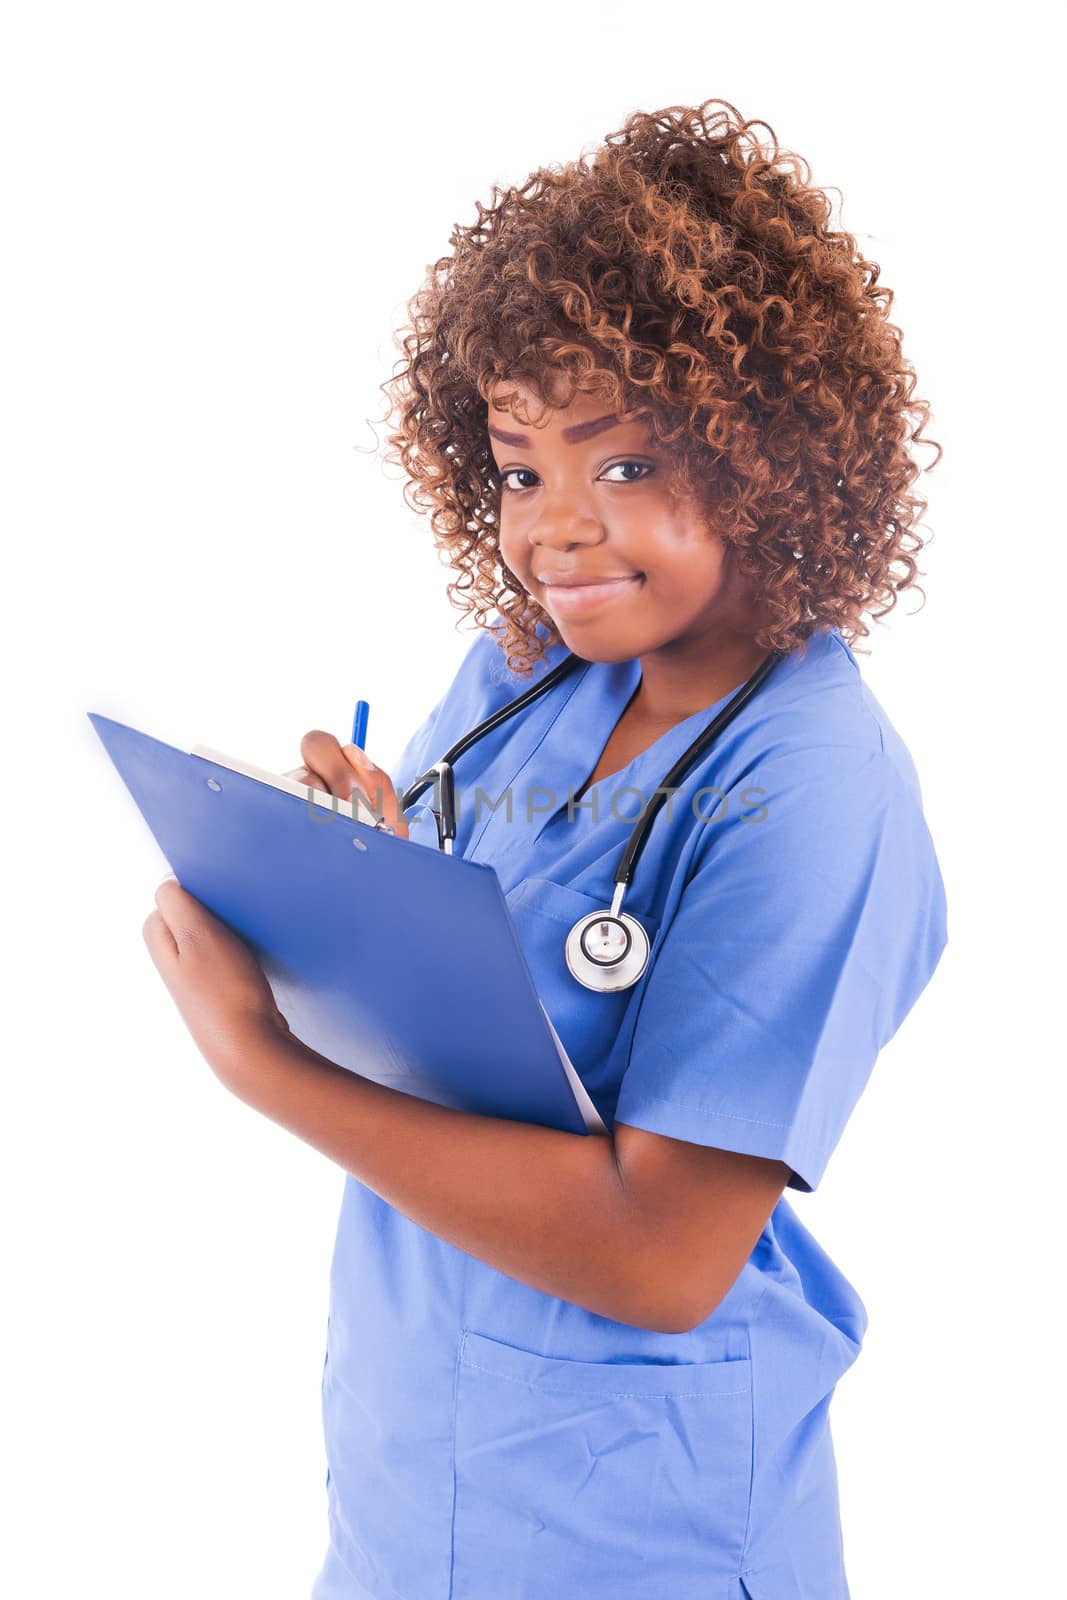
504, 476
644, 468
642, 465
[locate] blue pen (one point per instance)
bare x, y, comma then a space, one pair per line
359, 735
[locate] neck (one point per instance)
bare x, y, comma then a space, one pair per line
678, 682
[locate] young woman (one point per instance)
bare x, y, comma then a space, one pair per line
659, 420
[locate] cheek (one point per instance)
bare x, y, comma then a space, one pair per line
684, 558
687, 566
514, 549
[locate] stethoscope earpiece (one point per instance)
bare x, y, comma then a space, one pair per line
606, 952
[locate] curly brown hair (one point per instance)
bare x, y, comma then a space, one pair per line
686, 279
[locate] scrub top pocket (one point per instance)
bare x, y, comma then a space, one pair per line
626, 1478
587, 1022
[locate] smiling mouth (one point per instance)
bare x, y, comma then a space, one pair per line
573, 600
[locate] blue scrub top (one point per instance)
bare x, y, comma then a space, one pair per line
487, 1441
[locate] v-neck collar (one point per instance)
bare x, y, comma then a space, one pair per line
577, 738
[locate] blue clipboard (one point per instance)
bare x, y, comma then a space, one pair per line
386, 956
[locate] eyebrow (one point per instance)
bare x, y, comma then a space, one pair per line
575, 434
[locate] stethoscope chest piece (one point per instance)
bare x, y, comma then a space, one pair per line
607, 952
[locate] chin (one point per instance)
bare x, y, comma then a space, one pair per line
601, 643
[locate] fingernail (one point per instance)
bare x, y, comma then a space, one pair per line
361, 757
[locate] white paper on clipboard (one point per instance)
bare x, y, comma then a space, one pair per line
593, 1121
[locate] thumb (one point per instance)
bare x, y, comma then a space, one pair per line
377, 787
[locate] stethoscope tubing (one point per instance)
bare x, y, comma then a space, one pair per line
643, 826
623, 943
442, 769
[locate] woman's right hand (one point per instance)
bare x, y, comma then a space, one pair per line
338, 769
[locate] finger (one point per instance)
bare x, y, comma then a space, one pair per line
377, 785
348, 768
310, 780
158, 937
344, 769
187, 918
323, 755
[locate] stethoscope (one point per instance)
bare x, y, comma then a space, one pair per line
605, 950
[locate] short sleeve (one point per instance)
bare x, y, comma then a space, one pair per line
812, 917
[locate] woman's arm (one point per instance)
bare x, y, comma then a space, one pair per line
655, 1240
543, 1206
639, 1227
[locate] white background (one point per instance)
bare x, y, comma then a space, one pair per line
213, 215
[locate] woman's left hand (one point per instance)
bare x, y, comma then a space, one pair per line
216, 982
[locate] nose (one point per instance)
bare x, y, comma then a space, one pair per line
562, 530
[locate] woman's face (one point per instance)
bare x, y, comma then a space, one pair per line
590, 527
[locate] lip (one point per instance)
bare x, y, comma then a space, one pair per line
560, 577
575, 599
